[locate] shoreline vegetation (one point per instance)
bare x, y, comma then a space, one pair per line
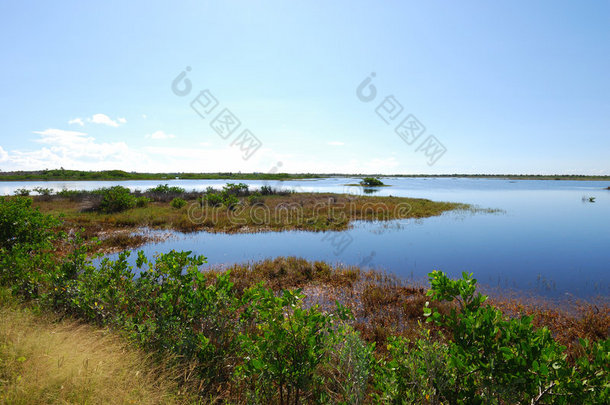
113, 214
292, 331
76, 175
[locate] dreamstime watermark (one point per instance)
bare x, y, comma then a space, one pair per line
409, 128
366, 260
225, 123
339, 241
294, 214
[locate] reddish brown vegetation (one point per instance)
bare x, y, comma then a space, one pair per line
384, 305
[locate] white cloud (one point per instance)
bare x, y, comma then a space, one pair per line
75, 145
78, 121
80, 150
335, 143
103, 119
160, 135
144, 116
99, 119
77, 150
53, 135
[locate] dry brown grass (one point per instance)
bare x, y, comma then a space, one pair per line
50, 362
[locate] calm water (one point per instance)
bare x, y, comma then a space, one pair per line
547, 240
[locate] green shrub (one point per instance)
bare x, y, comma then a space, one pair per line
266, 190
213, 200
235, 189
371, 182
285, 346
164, 192
178, 311
415, 372
22, 226
23, 192
177, 203
255, 199
499, 360
43, 191
230, 201
116, 199
26, 246
142, 201
351, 365
165, 189
72, 195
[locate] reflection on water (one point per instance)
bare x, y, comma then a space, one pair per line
545, 240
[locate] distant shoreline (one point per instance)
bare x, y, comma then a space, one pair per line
118, 175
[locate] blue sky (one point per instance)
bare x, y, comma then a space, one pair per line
504, 87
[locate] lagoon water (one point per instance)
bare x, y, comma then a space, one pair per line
546, 240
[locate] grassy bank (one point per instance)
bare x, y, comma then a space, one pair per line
46, 360
234, 209
303, 211
290, 331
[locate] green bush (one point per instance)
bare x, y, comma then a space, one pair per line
235, 189
255, 199
266, 190
351, 365
213, 200
23, 192
230, 201
497, 360
116, 199
285, 346
26, 245
177, 203
43, 191
165, 189
142, 201
371, 182
22, 226
72, 195
415, 373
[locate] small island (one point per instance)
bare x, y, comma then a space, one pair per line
371, 182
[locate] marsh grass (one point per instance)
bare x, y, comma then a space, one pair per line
44, 360
247, 214
384, 304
